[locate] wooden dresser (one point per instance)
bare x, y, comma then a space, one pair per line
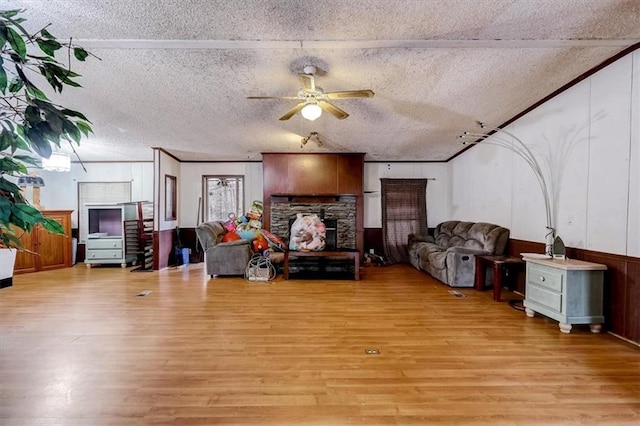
51, 251
568, 291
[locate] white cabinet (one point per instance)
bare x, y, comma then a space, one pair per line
105, 241
566, 290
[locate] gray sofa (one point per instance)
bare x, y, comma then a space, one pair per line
229, 258
449, 255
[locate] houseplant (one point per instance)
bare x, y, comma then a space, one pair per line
30, 123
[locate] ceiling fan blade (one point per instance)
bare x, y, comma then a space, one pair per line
308, 82
350, 94
332, 109
292, 111
274, 97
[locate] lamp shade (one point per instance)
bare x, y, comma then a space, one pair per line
311, 111
58, 162
34, 181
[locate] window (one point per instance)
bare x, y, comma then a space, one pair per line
223, 195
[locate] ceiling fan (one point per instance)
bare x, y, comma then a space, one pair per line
313, 100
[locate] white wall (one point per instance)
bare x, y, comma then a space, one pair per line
599, 197
437, 194
191, 186
61, 190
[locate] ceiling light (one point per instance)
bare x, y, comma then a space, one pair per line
58, 162
311, 111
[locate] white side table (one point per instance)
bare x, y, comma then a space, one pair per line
566, 290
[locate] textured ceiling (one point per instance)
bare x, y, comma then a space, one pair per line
175, 74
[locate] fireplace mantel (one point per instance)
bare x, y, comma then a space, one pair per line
313, 197
318, 177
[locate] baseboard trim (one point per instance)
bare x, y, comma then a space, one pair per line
6, 282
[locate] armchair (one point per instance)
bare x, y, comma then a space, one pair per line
228, 258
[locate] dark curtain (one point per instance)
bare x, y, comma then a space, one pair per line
404, 212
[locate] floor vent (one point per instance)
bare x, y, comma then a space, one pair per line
372, 351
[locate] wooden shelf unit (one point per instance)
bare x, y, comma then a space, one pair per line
139, 235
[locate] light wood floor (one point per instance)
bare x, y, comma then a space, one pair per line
79, 348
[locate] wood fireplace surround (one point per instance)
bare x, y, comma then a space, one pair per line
323, 178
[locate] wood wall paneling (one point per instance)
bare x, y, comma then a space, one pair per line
632, 299
163, 244
189, 239
350, 174
312, 174
274, 167
373, 240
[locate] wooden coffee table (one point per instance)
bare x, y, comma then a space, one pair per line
502, 265
353, 255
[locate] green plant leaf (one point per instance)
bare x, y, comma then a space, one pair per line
52, 226
26, 159
54, 120
9, 239
3, 35
28, 216
72, 130
69, 82
3, 78
16, 84
11, 167
84, 127
10, 13
37, 93
46, 34
6, 139
80, 53
17, 43
32, 115
48, 46
5, 210
38, 143
9, 187
72, 113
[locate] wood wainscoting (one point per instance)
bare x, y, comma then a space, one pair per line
163, 244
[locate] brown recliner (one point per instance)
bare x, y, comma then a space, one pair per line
228, 258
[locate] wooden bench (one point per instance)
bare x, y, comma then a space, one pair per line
353, 255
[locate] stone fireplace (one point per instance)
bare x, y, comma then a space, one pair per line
338, 213
327, 184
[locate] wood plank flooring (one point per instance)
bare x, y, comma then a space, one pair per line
79, 348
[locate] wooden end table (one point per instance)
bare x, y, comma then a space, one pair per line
353, 255
502, 265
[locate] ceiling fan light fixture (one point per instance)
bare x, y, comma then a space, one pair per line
311, 111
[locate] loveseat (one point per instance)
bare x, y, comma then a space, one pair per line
449, 255
223, 258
